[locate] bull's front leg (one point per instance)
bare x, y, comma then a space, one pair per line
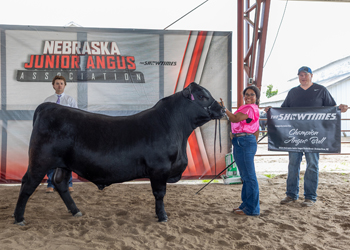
159, 190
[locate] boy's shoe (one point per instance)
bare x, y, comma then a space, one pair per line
307, 203
49, 190
287, 200
70, 189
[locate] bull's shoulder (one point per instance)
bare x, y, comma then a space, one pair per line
170, 104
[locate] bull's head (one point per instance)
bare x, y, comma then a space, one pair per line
202, 97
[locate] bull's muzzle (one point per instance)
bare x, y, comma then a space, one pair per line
215, 110
223, 110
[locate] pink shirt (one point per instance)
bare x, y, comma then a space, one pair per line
252, 111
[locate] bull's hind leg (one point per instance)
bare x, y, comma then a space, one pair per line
29, 184
159, 190
61, 181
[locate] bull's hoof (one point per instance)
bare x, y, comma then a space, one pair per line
163, 219
22, 223
79, 214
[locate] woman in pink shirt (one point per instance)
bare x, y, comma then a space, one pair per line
245, 131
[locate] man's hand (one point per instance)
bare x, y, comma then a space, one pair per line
343, 108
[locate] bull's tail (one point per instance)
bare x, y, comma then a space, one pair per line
36, 114
40, 108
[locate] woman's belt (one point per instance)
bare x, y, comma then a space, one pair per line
241, 134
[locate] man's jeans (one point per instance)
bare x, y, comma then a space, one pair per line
244, 149
310, 177
50, 175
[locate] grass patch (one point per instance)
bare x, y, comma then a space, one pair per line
270, 175
206, 181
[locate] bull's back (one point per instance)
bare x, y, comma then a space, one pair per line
51, 115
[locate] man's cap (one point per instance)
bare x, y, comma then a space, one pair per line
305, 69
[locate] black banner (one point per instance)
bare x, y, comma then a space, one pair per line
310, 129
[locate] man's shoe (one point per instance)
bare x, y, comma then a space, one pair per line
49, 190
287, 200
70, 189
307, 203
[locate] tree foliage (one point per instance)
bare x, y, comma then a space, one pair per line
270, 92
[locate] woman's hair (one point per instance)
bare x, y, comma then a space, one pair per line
257, 93
59, 78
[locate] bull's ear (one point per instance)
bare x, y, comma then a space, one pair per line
187, 92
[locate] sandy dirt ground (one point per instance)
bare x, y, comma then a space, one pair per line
122, 216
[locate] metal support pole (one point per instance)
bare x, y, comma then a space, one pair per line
240, 52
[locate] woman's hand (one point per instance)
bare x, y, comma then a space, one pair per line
233, 117
267, 108
221, 103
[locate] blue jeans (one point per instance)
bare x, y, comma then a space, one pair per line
244, 149
310, 177
49, 178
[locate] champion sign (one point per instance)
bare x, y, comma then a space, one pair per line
81, 61
311, 129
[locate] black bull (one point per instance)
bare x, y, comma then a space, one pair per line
107, 150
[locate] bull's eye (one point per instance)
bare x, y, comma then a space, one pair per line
202, 97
